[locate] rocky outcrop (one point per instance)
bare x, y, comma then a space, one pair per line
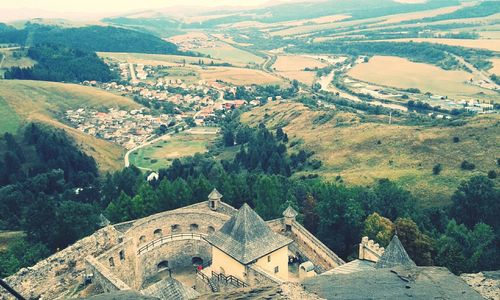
485, 283
59, 275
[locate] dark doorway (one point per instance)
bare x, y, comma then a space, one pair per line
162, 265
197, 261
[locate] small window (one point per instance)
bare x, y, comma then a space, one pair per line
212, 204
142, 239
111, 262
122, 255
176, 228
157, 233
193, 227
276, 269
210, 229
269, 258
288, 228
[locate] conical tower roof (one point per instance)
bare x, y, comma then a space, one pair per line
290, 212
214, 194
246, 237
395, 255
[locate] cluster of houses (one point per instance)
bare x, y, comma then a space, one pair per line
126, 128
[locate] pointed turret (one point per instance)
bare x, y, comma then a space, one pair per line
214, 199
395, 255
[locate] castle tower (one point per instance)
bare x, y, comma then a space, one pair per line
214, 199
290, 214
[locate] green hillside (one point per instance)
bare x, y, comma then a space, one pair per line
362, 151
46, 102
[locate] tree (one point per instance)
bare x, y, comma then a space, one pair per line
475, 201
379, 229
417, 244
75, 220
437, 169
311, 218
393, 201
228, 138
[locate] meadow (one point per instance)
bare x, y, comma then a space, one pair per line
46, 102
496, 66
231, 54
292, 67
237, 76
402, 73
8, 237
161, 154
155, 59
362, 152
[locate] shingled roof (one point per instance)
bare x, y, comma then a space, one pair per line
246, 237
395, 255
215, 194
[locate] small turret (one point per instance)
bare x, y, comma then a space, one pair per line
214, 199
290, 214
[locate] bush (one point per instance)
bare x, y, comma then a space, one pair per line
437, 169
456, 139
492, 174
467, 165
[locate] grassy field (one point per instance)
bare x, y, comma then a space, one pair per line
496, 66
45, 102
10, 120
154, 59
7, 237
162, 153
11, 61
402, 73
231, 54
292, 67
406, 154
489, 44
237, 76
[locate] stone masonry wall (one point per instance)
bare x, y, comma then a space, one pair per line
57, 275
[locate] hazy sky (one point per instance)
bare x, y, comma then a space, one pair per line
82, 9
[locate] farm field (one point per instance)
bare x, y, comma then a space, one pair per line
231, 54
162, 153
10, 120
402, 73
44, 102
237, 76
496, 66
292, 67
489, 44
11, 61
405, 154
154, 59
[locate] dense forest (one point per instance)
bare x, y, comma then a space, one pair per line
44, 180
52, 179
63, 64
419, 52
483, 9
91, 38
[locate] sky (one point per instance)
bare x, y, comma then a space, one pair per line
93, 9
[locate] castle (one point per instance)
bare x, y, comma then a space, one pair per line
212, 247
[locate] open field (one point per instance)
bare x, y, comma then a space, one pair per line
424, 14
292, 67
402, 73
10, 120
237, 76
45, 102
162, 153
231, 54
489, 44
496, 66
154, 59
10, 61
405, 154
7, 237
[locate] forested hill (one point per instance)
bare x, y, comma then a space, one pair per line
91, 38
63, 64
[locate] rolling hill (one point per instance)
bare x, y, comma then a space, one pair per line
363, 151
46, 102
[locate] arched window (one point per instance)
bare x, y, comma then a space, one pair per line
142, 239
176, 228
111, 262
193, 227
157, 233
162, 264
211, 229
122, 255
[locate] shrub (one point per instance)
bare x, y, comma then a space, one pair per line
456, 139
467, 165
437, 169
492, 174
